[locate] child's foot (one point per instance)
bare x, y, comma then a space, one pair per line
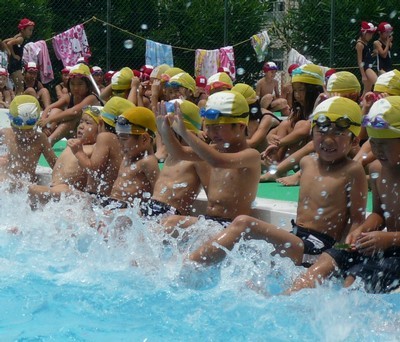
268, 177
289, 180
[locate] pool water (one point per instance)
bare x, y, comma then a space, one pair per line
61, 281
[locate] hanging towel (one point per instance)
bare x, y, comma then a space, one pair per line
71, 44
227, 60
45, 67
157, 53
297, 58
31, 53
206, 62
260, 44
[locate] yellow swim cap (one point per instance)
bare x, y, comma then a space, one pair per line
24, 112
226, 107
183, 79
383, 119
79, 70
122, 79
338, 107
138, 120
114, 108
247, 91
93, 112
191, 115
170, 72
159, 70
219, 80
343, 82
389, 83
308, 73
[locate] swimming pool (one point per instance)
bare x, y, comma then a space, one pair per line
60, 281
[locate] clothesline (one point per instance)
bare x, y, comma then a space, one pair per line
142, 38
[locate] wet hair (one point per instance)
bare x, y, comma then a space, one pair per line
86, 80
300, 113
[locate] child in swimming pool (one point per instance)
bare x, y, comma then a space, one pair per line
67, 174
57, 122
106, 158
15, 46
23, 143
138, 172
180, 180
332, 198
234, 167
374, 254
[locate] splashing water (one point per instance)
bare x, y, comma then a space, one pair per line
128, 44
63, 279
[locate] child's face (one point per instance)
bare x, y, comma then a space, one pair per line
368, 36
225, 134
387, 151
173, 93
27, 32
31, 75
65, 78
299, 92
131, 144
98, 78
332, 144
270, 74
3, 81
87, 129
78, 87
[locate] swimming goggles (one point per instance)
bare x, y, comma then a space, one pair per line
173, 84
378, 122
214, 114
123, 125
18, 121
93, 110
341, 123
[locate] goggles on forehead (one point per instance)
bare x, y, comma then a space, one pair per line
214, 114
341, 123
93, 110
123, 125
173, 84
18, 121
378, 122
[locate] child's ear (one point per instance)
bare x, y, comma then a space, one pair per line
101, 127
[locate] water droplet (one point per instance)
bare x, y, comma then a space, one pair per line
128, 44
386, 214
316, 217
247, 58
272, 169
146, 195
324, 193
352, 20
133, 167
240, 71
320, 211
383, 206
144, 27
287, 245
188, 4
254, 110
226, 145
305, 48
383, 181
374, 175
364, 156
392, 14
180, 185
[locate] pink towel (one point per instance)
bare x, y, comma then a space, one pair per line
227, 60
71, 44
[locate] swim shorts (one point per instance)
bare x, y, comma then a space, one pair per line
314, 243
112, 203
380, 272
156, 208
225, 222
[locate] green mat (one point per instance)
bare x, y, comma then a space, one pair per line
274, 191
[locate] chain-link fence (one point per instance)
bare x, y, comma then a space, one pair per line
323, 31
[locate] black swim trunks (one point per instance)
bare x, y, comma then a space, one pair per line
314, 243
156, 208
111, 203
225, 222
380, 272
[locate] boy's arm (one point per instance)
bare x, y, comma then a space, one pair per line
152, 171
14, 41
99, 155
174, 147
48, 151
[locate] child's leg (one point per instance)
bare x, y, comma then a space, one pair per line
250, 228
323, 267
266, 101
371, 79
180, 221
18, 80
44, 97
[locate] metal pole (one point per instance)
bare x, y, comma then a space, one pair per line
225, 21
332, 34
108, 36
